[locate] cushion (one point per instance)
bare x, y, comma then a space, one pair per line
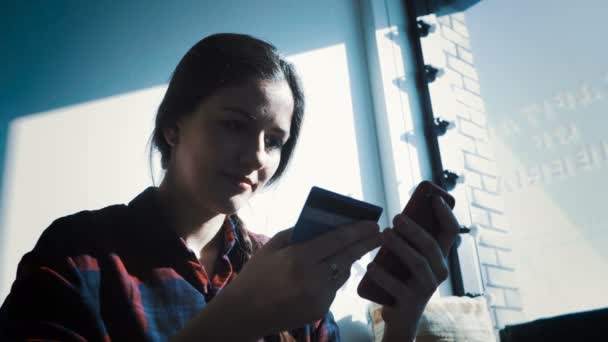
446, 319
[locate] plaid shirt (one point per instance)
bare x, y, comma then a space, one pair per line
120, 273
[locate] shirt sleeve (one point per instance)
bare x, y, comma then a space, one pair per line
48, 300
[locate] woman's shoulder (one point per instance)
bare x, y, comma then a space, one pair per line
85, 229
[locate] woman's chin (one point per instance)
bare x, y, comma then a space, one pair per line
232, 204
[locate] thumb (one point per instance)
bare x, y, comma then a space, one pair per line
397, 219
280, 240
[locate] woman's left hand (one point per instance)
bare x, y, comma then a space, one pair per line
426, 258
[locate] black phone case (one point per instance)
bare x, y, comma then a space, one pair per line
420, 210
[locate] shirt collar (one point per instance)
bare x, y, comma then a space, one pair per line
149, 217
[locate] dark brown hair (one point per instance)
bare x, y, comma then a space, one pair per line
222, 60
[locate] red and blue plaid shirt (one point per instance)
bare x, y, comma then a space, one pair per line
120, 273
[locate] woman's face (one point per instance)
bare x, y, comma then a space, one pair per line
231, 145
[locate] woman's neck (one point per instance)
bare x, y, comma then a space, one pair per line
188, 218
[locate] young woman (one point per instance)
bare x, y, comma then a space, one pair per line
165, 266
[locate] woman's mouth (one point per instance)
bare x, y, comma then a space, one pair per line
243, 183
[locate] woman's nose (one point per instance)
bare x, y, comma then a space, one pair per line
256, 155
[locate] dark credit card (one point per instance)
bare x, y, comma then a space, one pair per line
324, 210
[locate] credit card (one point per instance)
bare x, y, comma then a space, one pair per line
324, 210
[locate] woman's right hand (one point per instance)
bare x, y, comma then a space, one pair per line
286, 286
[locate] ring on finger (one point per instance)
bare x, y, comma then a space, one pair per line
335, 271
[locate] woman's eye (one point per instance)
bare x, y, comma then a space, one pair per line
274, 144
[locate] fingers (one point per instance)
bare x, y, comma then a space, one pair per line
418, 238
386, 281
428, 268
340, 238
448, 222
346, 257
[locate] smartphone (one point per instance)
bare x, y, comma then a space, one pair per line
324, 210
420, 210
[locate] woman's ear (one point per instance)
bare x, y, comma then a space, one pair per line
171, 135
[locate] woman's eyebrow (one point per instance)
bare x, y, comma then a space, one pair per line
242, 112
250, 116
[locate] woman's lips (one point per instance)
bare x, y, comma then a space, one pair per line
242, 182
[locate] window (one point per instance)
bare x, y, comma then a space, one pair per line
544, 80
